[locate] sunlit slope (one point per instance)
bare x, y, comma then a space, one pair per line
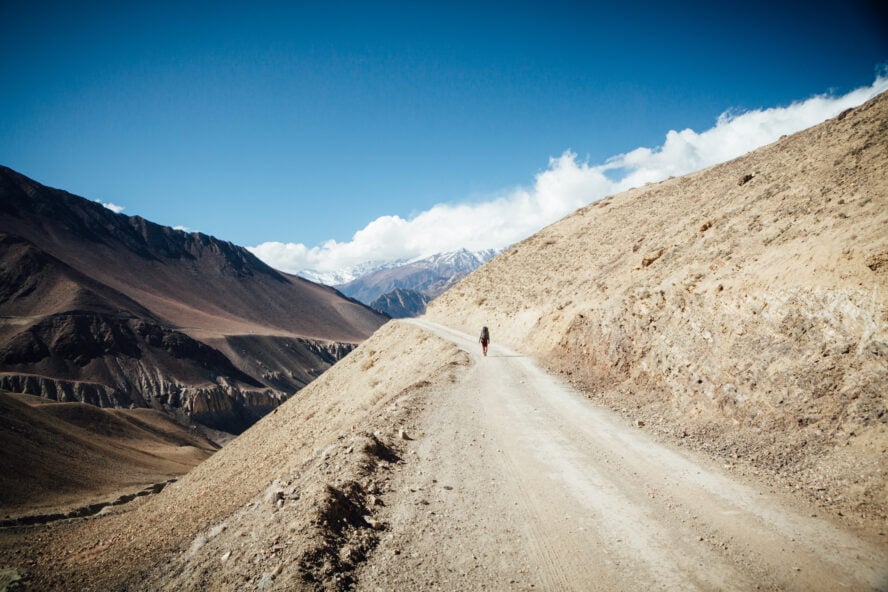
741, 308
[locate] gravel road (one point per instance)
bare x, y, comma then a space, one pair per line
516, 481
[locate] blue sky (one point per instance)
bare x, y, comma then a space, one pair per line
299, 123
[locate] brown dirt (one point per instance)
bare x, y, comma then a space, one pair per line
284, 502
519, 483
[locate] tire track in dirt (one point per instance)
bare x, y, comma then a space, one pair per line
585, 513
599, 505
550, 557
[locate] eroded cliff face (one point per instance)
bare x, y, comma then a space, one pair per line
65, 391
118, 361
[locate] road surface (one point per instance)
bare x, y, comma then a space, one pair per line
519, 482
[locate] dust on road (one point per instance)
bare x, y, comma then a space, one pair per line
519, 482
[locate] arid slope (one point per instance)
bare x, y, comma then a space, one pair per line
291, 500
740, 310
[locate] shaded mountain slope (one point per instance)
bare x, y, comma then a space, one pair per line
53, 452
34, 283
117, 311
740, 310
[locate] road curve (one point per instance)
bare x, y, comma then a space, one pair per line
522, 483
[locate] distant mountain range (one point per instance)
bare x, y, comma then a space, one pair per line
115, 310
394, 284
344, 276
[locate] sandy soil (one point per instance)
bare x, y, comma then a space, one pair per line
419, 464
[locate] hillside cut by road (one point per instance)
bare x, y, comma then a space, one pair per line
521, 483
446, 470
741, 311
686, 391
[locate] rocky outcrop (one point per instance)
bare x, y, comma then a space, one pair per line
65, 391
227, 408
283, 363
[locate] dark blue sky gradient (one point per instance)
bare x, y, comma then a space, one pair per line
301, 123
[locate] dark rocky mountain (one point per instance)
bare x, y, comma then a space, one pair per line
117, 311
431, 276
401, 303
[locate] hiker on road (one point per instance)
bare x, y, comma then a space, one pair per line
485, 339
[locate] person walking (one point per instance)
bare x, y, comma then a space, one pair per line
485, 339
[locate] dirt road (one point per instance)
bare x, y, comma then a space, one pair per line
519, 482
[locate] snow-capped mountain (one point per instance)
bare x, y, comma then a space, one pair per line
430, 276
462, 261
343, 276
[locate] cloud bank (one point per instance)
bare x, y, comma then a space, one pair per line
566, 185
111, 206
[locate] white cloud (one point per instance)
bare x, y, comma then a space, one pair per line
182, 228
566, 185
111, 206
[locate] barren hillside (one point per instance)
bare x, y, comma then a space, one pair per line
735, 318
740, 310
284, 502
